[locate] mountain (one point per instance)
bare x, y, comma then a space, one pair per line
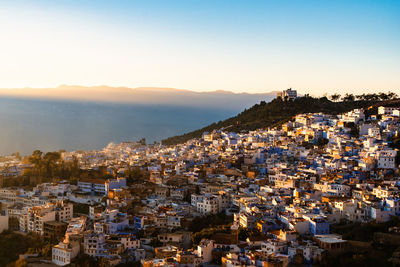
143, 95
265, 114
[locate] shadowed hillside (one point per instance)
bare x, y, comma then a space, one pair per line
277, 111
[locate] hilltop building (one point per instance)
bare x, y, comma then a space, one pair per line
287, 94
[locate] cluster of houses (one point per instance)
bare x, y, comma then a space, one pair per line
283, 186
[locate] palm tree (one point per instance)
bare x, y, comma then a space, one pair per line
374, 96
348, 97
335, 97
392, 95
361, 97
383, 96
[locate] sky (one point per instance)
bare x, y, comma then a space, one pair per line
250, 46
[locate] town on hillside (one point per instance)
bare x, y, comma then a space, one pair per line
316, 190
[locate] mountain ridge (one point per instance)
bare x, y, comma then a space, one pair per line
142, 95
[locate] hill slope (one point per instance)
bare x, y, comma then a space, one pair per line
275, 112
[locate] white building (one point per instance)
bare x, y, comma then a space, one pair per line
94, 245
386, 159
288, 94
35, 218
387, 110
130, 242
354, 116
63, 253
206, 204
204, 250
9, 194
93, 186
64, 211
274, 246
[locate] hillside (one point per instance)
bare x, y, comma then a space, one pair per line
277, 111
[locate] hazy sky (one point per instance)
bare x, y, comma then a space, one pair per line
253, 46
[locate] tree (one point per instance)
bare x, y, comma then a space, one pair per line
36, 157
46, 250
243, 233
84, 260
322, 141
104, 262
353, 129
360, 97
17, 155
374, 96
383, 96
392, 95
335, 97
142, 141
348, 97
133, 174
50, 160
13, 244
18, 263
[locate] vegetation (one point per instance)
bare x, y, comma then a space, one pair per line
207, 226
81, 208
396, 145
84, 260
200, 223
369, 252
359, 257
134, 174
209, 232
354, 132
278, 111
364, 231
244, 233
129, 264
18, 263
13, 244
50, 167
46, 167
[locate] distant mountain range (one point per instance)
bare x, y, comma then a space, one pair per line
143, 95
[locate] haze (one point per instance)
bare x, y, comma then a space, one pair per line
242, 46
144, 96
